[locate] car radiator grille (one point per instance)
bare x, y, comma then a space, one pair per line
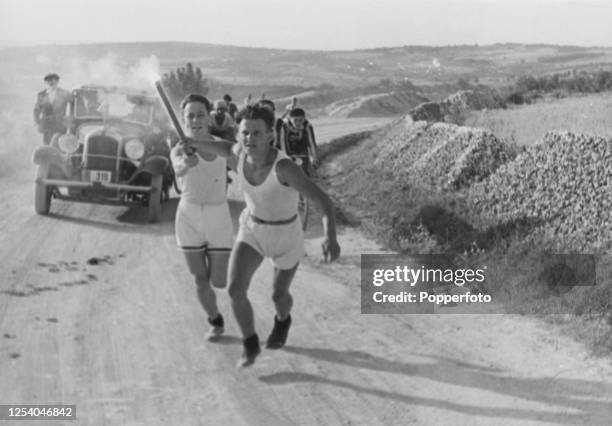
101, 153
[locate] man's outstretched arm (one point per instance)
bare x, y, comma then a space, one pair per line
222, 148
291, 174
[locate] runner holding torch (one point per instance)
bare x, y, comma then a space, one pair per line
203, 225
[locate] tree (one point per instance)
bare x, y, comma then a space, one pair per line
183, 81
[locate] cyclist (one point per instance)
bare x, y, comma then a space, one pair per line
297, 139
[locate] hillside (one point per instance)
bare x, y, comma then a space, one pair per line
492, 64
377, 104
357, 83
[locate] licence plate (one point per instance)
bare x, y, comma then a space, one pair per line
102, 176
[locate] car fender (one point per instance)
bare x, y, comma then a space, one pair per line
48, 155
156, 165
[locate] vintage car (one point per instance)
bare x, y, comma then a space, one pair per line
114, 152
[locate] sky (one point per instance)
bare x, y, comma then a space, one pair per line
308, 24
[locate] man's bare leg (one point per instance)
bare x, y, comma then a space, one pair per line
283, 303
243, 263
196, 261
281, 296
218, 261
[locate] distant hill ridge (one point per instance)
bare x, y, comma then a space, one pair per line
421, 64
345, 83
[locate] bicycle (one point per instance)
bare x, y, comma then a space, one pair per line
303, 204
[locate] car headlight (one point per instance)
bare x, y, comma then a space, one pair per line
68, 143
134, 149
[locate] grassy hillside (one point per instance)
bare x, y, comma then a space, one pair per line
526, 125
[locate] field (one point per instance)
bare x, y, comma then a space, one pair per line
526, 125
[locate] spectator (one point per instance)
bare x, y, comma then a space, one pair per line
50, 108
231, 106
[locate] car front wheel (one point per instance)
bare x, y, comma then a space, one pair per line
155, 198
42, 192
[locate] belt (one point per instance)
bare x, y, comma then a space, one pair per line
273, 222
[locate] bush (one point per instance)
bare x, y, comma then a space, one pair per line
530, 87
183, 81
515, 98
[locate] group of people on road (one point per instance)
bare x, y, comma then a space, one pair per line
260, 149
294, 134
269, 226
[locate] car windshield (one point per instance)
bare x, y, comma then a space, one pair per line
97, 103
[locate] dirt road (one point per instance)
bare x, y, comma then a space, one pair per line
121, 337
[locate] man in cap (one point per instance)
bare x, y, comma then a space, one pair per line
50, 108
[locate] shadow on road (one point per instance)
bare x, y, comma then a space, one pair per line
564, 394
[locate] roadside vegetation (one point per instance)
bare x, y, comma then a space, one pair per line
548, 195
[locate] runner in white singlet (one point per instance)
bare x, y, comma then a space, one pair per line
269, 225
203, 226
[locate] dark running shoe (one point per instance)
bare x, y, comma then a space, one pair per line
251, 350
278, 337
216, 329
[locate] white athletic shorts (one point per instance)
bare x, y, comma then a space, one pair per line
283, 244
203, 226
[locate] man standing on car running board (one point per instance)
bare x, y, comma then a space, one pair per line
50, 108
269, 225
203, 225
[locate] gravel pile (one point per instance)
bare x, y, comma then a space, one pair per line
566, 181
442, 155
454, 107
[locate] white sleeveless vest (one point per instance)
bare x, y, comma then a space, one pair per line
270, 200
205, 183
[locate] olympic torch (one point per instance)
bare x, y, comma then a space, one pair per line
170, 111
